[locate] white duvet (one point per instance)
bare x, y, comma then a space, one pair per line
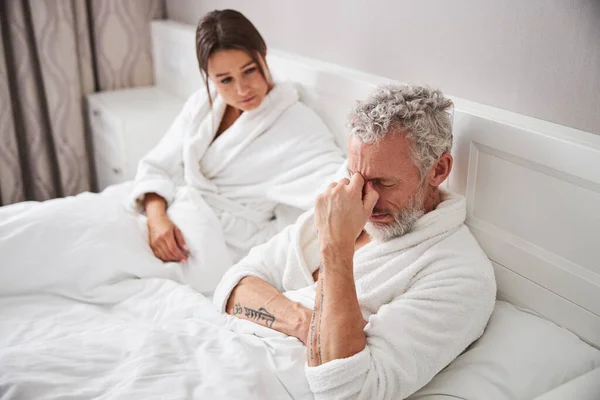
105, 323
163, 341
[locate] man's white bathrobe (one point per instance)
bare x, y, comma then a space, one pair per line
225, 195
426, 296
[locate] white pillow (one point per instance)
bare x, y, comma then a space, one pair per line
519, 356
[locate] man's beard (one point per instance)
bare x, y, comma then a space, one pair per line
403, 222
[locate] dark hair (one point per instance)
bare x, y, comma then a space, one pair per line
227, 30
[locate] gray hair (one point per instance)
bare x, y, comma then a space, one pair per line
424, 114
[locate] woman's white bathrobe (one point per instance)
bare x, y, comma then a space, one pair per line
426, 296
233, 194
225, 196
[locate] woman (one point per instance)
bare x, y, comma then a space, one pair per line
237, 162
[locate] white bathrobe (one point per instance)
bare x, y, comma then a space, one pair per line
426, 296
271, 158
225, 195
231, 193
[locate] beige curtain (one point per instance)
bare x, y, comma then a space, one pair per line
52, 54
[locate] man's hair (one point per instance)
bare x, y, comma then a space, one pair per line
424, 114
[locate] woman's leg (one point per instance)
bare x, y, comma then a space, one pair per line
74, 247
209, 257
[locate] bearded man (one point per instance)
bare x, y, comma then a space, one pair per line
382, 281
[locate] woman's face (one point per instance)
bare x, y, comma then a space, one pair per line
237, 79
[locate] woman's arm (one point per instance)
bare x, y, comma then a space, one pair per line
160, 169
155, 205
166, 240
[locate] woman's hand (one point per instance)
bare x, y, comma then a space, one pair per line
166, 239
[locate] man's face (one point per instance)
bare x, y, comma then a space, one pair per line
389, 167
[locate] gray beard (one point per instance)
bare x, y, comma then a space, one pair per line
404, 220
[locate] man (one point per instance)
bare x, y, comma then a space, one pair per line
383, 282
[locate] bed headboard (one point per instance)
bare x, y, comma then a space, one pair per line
532, 187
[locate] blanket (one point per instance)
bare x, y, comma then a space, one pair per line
162, 341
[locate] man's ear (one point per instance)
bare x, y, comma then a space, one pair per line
440, 170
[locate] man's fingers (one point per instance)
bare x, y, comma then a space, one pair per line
345, 181
181, 242
370, 198
357, 181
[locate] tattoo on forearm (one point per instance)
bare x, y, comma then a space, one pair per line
315, 323
237, 309
259, 315
322, 294
311, 336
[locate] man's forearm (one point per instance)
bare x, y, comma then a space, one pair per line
258, 301
336, 329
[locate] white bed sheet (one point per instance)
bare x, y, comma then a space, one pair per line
166, 341
585, 387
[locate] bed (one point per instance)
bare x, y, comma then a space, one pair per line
533, 203
533, 196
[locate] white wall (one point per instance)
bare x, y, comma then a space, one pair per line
536, 57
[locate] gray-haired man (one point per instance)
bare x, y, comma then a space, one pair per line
382, 281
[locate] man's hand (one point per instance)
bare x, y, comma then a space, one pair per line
342, 211
336, 329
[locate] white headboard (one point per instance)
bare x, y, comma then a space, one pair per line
532, 187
